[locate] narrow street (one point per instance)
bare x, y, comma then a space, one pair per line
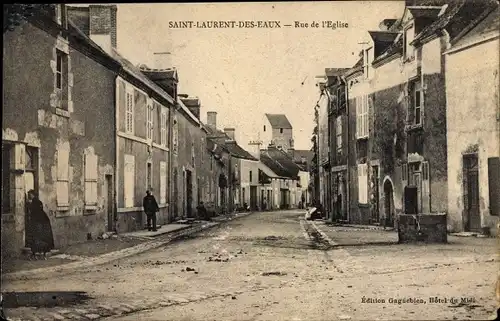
276, 266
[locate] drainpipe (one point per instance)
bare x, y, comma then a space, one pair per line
348, 192
117, 155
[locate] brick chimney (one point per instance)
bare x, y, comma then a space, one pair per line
98, 22
212, 119
230, 132
254, 148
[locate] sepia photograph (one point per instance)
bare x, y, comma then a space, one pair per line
253, 161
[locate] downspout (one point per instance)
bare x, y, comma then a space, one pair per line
117, 154
348, 205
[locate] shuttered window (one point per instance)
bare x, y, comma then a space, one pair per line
163, 127
129, 109
494, 185
62, 188
339, 134
163, 182
362, 124
149, 121
91, 174
129, 180
363, 183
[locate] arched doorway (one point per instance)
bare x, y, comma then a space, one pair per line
388, 202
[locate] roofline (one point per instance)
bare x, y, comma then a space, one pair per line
472, 44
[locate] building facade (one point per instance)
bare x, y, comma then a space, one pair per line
63, 85
473, 127
277, 131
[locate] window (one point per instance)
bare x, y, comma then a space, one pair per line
281, 130
149, 176
250, 176
363, 183
404, 172
62, 185
163, 127
163, 182
175, 140
91, 170
211, 162
149, 120
59, 68
417, 103
264, 127
338, 133
367, 62
362, 123
129, 110
129, 180
408, 38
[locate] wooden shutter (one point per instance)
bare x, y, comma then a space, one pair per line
62, 188
91, 173
129, 180
494, 185
163, 182
358, 117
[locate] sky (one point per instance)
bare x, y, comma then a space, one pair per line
243, 73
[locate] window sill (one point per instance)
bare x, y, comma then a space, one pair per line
363, 205
362, 138
62, 112
62, 208
90, 209
412, 127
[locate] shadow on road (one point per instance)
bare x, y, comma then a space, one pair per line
13, 300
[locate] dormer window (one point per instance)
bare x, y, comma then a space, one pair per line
264, 127
60, 15
409, 51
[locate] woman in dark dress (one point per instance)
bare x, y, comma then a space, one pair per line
39, 232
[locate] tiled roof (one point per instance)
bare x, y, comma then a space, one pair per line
237, 151
298, 154
332, 72
481, 29
134, 71
278, 121
357, 66
280, 162
458, 15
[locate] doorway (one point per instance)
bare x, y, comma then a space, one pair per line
471, 193
108, 202
253, 198
189, 194
388, 203
376, 205
30, 181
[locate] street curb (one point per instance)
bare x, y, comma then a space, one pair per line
68, 268
360, 227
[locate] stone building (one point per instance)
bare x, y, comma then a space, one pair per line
63, 146
277, 131
473, 119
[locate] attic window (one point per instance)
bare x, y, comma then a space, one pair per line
367, 61
264, 127
281, 130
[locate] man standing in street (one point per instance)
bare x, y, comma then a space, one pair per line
150, 208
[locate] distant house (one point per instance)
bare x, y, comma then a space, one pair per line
277, 131
473, 133
285, 184
243, 166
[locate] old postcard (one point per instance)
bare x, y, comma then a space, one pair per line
329, 160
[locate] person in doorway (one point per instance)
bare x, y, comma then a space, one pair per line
39, 235
150, 208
